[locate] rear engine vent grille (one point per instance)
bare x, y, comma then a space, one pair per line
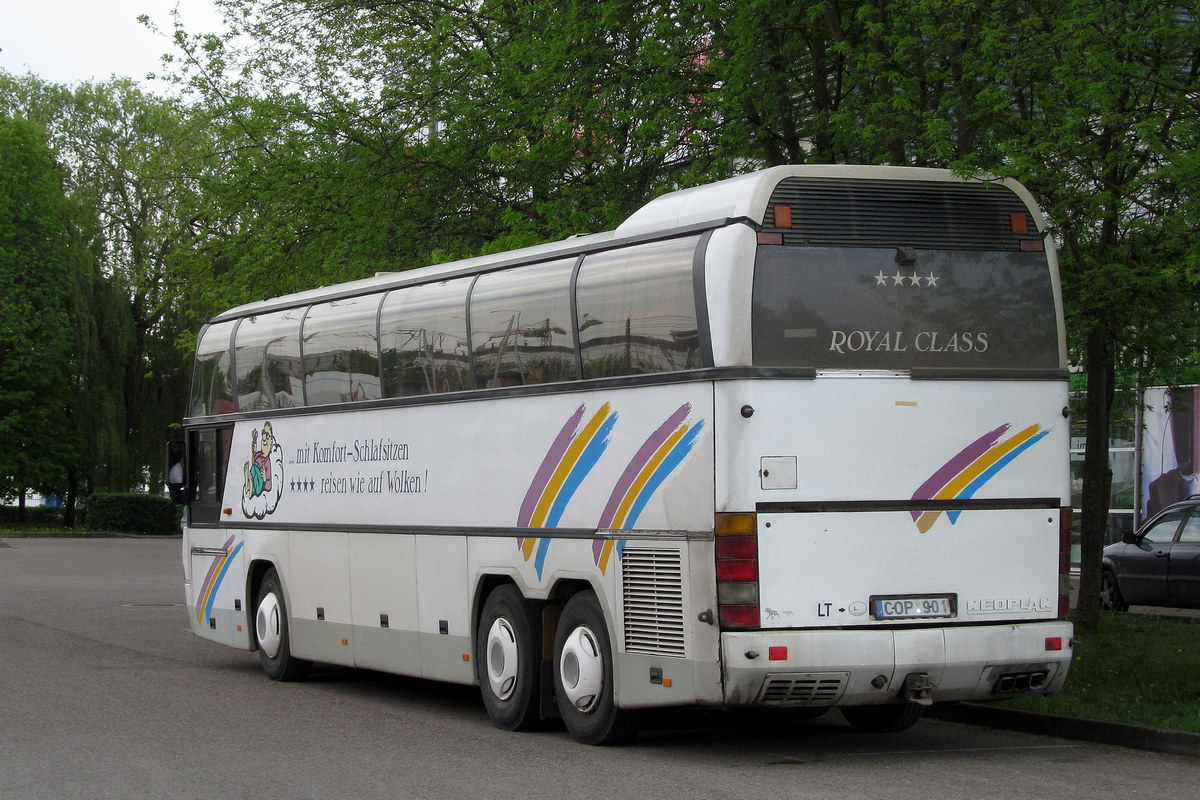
847, 212
652, 594
803, 689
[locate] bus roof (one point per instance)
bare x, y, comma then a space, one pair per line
741, 198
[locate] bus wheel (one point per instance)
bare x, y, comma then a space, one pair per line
883, 719
271, 633
506, 659
583, 676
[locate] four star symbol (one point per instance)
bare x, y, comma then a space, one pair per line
930, 280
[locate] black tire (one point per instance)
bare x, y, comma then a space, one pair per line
1110, 593
271, 634
583, 676
507, 656
883, 719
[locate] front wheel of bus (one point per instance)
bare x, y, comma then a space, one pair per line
883, 719
271, 633
583, 675
506, 658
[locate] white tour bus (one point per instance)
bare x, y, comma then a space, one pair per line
796, 439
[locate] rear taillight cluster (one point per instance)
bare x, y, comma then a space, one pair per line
737, 570
1066, 522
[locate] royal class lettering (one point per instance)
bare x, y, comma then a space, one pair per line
901, 341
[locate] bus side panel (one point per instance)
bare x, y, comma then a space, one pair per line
383, 584
443, 608
317, 582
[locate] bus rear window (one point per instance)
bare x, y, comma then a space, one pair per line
900, 309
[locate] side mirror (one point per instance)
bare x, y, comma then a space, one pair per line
1130, 537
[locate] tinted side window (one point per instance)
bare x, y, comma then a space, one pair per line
521, 326
1163, 529
341, 351
212, 385
423, 337
637, 310
267, 357
1191, 528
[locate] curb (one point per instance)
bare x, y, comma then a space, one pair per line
1087, 730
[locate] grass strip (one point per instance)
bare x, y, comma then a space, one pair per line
1137, 669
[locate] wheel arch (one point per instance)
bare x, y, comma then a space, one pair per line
256, 570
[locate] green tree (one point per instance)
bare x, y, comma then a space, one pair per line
130, 173
37, 437
1108, 136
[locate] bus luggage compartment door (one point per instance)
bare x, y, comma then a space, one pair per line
215, 586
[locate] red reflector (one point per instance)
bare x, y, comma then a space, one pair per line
737, 547
770, 238
1032, 245
783, 216
1020, 223
777, 653
737, 570
739, 616
1054, 643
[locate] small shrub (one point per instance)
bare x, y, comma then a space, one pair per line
148, 514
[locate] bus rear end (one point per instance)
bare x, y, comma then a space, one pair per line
893, 481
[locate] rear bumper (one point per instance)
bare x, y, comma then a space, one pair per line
861, 667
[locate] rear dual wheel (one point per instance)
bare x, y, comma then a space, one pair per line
507, 650
583, 676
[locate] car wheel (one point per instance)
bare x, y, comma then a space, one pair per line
1110, 593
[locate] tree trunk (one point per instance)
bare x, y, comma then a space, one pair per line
1097, 477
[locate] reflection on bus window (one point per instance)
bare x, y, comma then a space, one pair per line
637, 310
267, 358
423, 334
341, 351
521, 326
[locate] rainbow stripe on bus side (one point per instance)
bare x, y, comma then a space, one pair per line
212, 581
572, 456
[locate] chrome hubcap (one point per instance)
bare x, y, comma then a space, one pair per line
581, 669
502, 659
267, 628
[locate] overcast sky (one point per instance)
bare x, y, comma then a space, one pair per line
67, 41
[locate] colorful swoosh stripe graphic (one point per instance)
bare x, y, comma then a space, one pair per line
663, 451
570, 458
976, 464
212, 581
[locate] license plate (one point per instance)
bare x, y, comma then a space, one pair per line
912, 607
